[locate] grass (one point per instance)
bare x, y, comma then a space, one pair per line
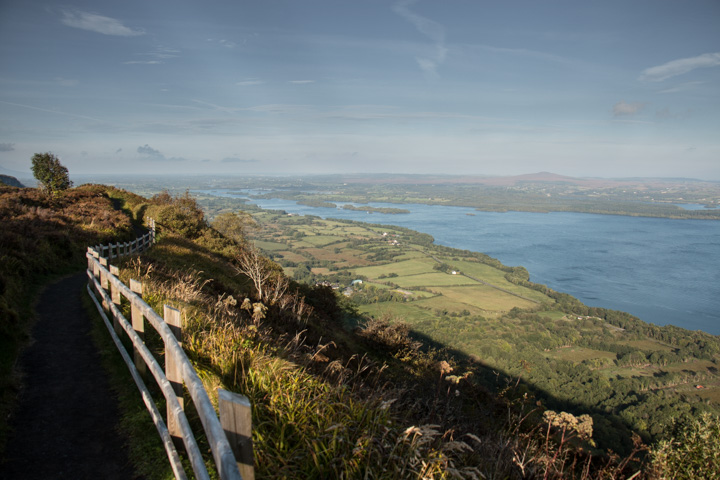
146, 451
484, 297
319, 240
317, 426
578, 354
271, 246
649, 345
433, 280
401, 268
42, 238
292, 256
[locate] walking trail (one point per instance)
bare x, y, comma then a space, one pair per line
65, 424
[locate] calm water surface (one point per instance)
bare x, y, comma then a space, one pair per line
662, 270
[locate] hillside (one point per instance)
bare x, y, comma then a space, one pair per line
41, 238
628, 374
335, 393
10, 181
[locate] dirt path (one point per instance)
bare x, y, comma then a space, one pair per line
65, 425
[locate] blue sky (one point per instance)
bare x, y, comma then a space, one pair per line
607, 88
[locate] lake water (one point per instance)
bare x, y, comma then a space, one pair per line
663, 271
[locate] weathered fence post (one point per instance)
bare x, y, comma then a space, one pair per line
236, 421
138, 324
105, 284
96, 266
116, 298
172, 371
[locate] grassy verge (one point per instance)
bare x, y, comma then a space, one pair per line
145, 447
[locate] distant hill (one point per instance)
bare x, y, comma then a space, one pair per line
11, 181
503, 181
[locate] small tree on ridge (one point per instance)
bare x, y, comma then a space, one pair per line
52, 175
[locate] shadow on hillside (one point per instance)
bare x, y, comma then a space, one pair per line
611, 432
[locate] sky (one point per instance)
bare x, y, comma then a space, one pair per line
289, 87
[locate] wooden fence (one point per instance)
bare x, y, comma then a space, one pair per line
229, 436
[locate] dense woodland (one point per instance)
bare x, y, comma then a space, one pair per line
519, 381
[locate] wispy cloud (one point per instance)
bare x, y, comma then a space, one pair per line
250, 81
39, 109
623, 108
682, 87
667, 114
281, 108
7, 147
431, 29
155, 57
301, 82
228, 43
67, 82
680, 67
97, 23
238, 160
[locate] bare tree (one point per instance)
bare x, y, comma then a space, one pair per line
254, 266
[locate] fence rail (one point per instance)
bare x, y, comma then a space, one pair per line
232, 460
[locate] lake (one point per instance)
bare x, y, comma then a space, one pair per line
663, 271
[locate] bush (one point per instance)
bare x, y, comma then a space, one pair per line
691, 451
180, 214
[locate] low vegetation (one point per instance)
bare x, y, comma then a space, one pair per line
339, 393
43, 236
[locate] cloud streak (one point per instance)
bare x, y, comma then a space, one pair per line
249, 82
680, 67
624, 109
98, 24
237, 160
431, 29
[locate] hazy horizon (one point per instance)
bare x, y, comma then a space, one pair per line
609, 89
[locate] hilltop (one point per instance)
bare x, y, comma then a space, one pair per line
10, 181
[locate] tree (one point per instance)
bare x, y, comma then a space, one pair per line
234, 225
52, 175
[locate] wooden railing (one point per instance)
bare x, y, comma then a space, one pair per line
233, 459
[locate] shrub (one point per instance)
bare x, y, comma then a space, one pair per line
691, 451
180, 214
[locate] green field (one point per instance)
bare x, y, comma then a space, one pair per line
402, 268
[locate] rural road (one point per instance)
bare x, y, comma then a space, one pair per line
65, 424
